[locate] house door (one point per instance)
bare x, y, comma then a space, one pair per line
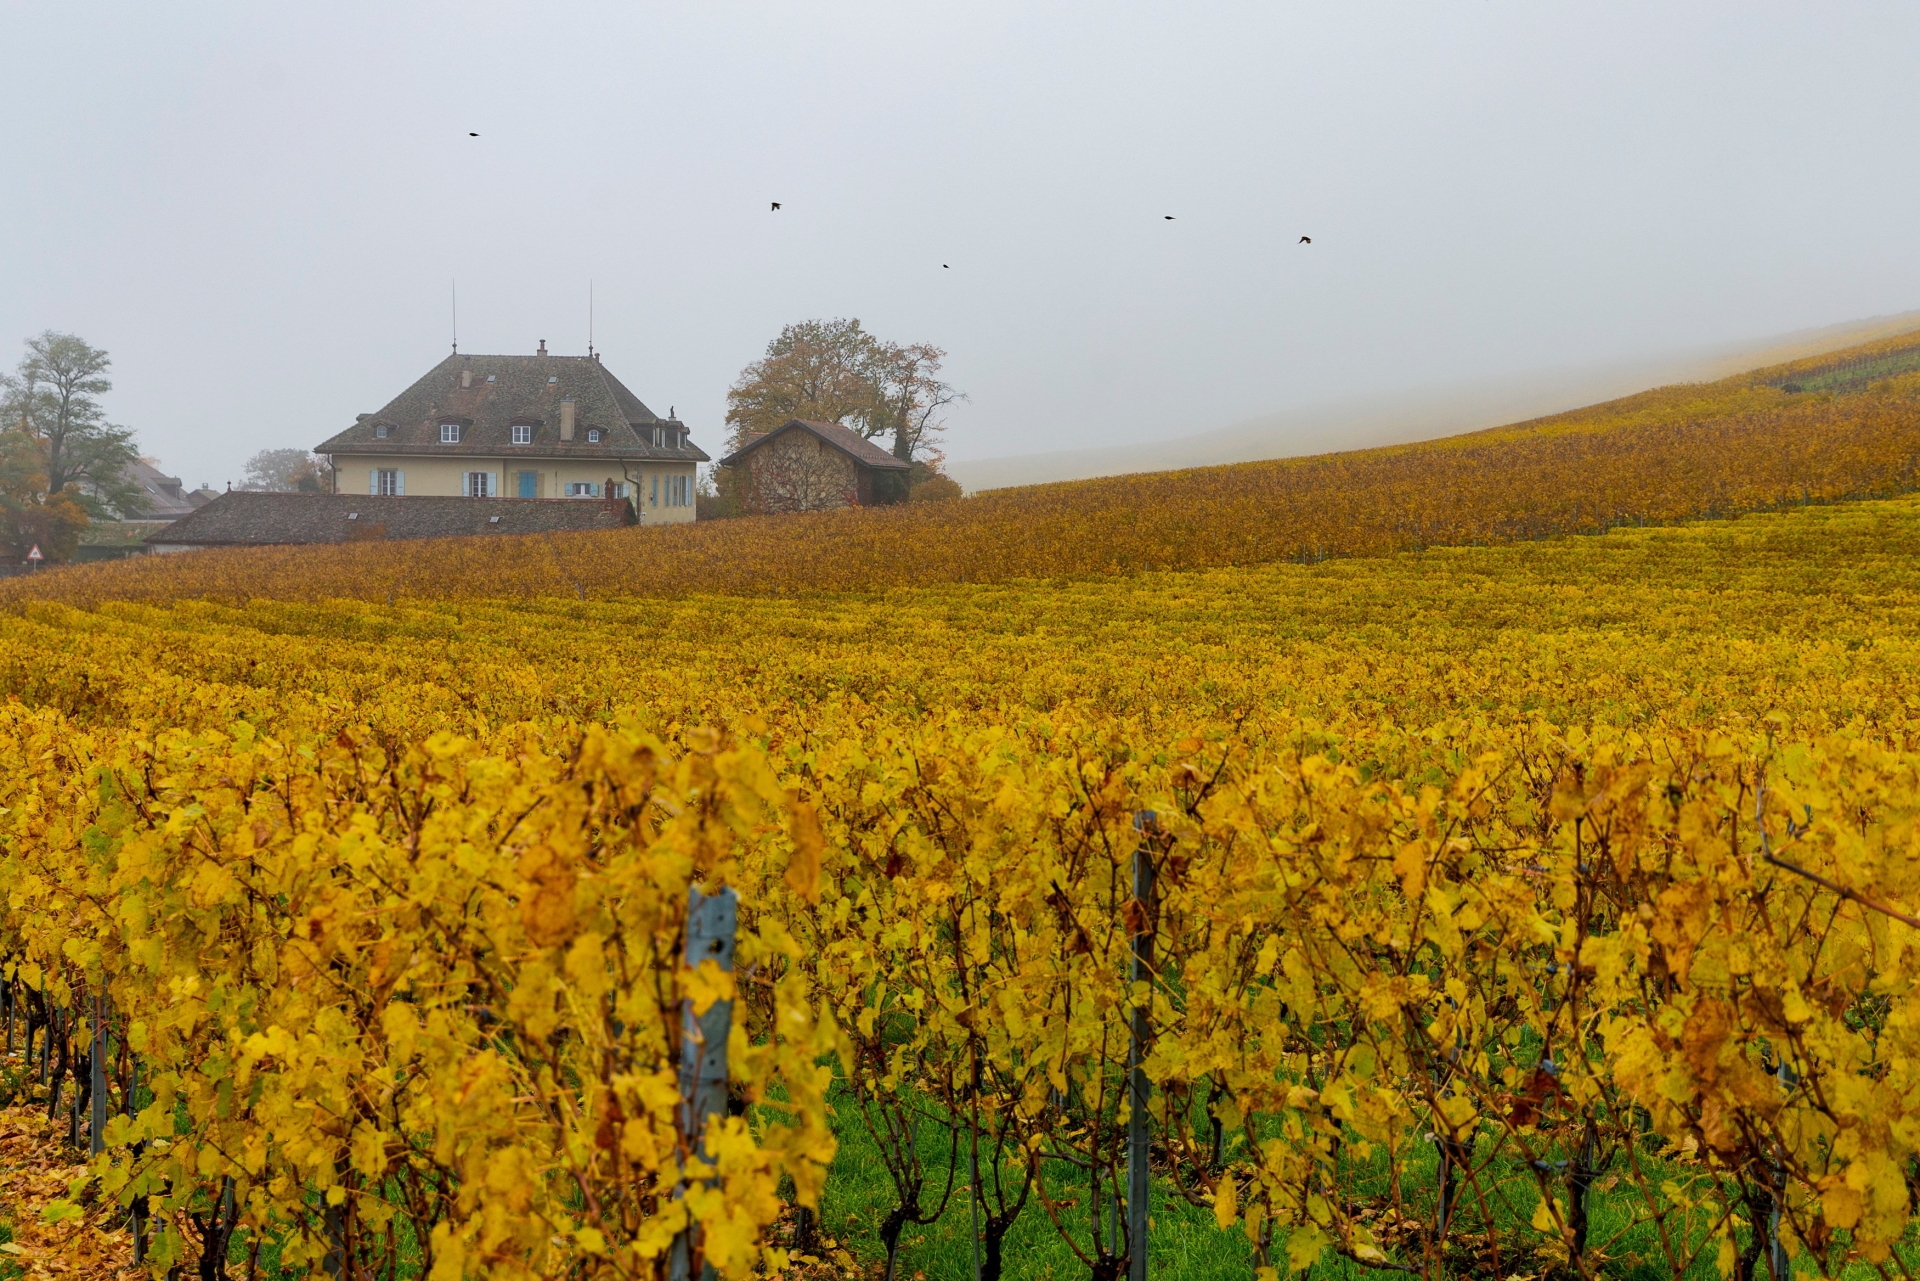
529, 484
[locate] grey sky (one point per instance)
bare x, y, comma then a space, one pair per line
257, 208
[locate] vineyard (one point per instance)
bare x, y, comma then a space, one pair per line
1678, 453
1546, 907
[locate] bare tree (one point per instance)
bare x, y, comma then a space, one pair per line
912, 395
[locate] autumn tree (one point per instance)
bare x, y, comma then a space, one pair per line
29, 516
52, 403
288, 471
836, 371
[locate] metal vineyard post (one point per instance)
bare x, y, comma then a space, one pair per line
711, 920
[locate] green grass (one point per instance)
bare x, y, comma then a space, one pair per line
1186, 1244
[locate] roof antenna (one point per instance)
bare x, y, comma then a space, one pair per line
589, 320
455, 287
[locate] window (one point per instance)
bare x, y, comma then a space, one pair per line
479, 484
529, 484
593, 435
552, 379
490, 379
449, 433
522, 434
685, 484
386, 482
582, 489
617, 490
659, 437
380, 431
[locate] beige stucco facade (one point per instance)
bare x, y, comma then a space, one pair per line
662, 493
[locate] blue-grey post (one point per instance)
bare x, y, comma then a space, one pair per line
1141, 971
97, 1111
703, 1045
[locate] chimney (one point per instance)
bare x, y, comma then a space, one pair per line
466, 378
566, 419
543, 346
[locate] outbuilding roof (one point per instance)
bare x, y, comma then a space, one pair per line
846, 440
502, 392
247, 519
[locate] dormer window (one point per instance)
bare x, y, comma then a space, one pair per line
449, 433
593, 435
380, 431
523, 433
659, 437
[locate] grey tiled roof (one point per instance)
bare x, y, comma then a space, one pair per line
248, 519
162, 496
519, 393
845, 439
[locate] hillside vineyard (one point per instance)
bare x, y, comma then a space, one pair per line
1511, 905
1844, 425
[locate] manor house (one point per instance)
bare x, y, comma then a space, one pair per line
512, 427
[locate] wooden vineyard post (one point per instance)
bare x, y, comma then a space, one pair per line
1139, 1177
703, 1050
137, 1213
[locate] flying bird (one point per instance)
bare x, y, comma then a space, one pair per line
944, 265
1306, 240
1168, 217
776, 205
473, 135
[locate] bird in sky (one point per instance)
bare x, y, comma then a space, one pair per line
1306, 240
1168, 217
776, 205
944, 265
473, 135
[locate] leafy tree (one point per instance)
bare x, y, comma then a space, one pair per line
52, 401
288, 471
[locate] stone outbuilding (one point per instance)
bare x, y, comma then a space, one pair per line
803, 466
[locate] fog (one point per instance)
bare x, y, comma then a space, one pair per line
261, 210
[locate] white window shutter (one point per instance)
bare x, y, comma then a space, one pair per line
466, 484
373, 481
399, 482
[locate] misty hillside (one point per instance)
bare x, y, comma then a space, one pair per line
1405, 417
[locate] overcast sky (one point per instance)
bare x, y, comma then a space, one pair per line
258, 209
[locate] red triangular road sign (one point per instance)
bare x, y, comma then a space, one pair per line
35, 553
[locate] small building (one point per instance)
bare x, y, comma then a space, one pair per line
520, 427
247, 518
163, 499
803, 466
